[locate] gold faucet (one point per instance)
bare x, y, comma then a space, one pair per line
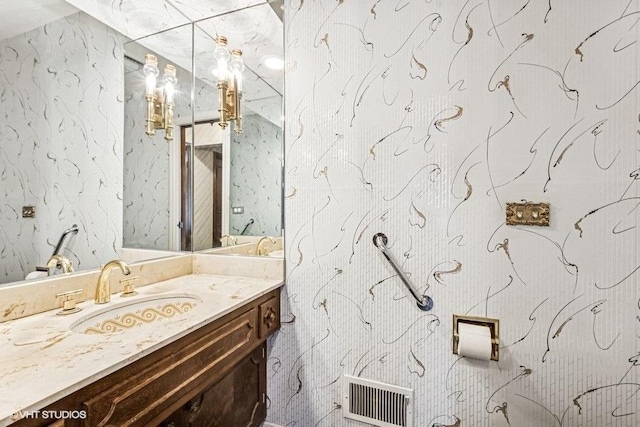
62, 261
231, 239
103, 289
259, 250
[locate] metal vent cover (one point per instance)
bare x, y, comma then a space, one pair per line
376, 403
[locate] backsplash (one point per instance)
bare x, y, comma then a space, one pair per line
60, 144
32, 297
256, 181
422, 119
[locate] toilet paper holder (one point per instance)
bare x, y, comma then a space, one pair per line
492, 324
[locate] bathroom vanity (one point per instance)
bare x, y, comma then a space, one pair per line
215, 375
204, 366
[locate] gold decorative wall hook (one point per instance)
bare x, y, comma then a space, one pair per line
528, 213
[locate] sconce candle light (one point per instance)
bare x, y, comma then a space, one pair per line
229, 72
160, 100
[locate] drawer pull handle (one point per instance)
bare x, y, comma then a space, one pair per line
194, 407
270, 317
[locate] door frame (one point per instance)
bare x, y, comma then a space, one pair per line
175, 175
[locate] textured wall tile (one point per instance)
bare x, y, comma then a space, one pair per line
421, 120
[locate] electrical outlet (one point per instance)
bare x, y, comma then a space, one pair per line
237, 209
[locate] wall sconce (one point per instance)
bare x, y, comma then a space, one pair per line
160, 100
229, 72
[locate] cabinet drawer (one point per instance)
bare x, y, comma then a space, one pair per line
162, 383
269, 316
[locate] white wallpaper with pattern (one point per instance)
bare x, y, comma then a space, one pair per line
60, 144
256, 178
421, 119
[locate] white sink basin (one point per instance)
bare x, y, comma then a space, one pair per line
137, 312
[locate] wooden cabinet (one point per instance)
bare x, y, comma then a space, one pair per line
238, 399
215, 376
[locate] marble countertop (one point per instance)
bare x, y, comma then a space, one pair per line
42, 360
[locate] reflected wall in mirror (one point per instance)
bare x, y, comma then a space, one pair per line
252, 186
209, 182
60, 142
150, 162
256, 179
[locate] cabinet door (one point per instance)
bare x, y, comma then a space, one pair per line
238, 399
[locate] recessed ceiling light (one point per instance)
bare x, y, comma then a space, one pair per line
273, 62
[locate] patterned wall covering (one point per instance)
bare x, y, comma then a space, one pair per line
256, 177
60, 144
421, 119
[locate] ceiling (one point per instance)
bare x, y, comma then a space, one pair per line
24, 15
255, 30
163, 27
139, 18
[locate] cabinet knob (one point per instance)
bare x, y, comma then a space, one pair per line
194, 405
270, 316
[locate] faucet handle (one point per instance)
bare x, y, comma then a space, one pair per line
69, 302
229, 238
128, 286
59, 261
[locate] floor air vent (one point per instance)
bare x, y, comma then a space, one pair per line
376, 403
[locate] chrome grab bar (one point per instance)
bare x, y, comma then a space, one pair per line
425, 303
251, 221
73, 229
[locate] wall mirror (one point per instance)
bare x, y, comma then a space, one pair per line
211, 186
69, 165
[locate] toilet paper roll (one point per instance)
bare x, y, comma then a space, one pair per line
474, 341
36, 275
